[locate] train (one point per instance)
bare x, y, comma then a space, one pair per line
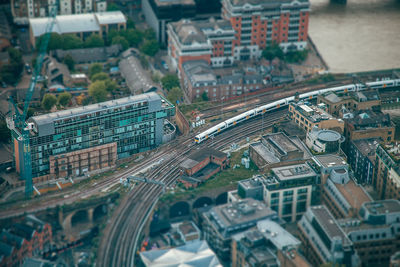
201, 137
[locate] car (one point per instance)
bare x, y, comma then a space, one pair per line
28, 68
165, 65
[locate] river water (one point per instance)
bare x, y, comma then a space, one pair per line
360, 36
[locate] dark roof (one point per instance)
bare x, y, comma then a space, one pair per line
5, 249
206, 152
369, 118
11, 239
85, 55
23, 230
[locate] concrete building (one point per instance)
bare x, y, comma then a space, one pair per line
221, 222
387, 178
23, 10
258, 23
368, 124
261, 246
340, 193
362, 159
81, 25
251, 188
324, 141
359, 100
202, 165
289, 189
376, 234
308, 116
324, 241
72, 142
90, 55
277, 149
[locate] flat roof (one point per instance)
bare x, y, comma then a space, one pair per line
253, 182
306, 108
281, 141
264, 153
383, 206
354, 194
330, 160
367, 147
293, 172
277, 235
46, 118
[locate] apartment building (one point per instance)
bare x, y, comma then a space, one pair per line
81, 25
341, 195
221, 222
376, 233
387, 178
362, 159
308, 116
360, 100
72, 142
23, 10
324, 241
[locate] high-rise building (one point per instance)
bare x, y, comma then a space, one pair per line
72, 142
387, 178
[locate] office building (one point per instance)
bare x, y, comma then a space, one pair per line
324, 241
81, 25
341, 195
288, 190
277, 149
72, 142
324, 141
376, 234
367, 124
308, 116
359, 100
221, 222
252, 187
362, 159
387, 178
23, 10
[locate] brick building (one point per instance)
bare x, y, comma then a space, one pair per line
359, 100
26, 239
387, 178
201, 165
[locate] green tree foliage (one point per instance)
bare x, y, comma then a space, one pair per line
130, 24
149, 34
30, 113
150, 47
112, 7
296, 56
55, 42
101, 76
64, 99
111, 86
204, 96
134, 37
120, 40
175, 94
170, 81
98, 92
5, 134
94, 40
273, 51
69, 61
48, 101
70, 41
11, 72
94, 69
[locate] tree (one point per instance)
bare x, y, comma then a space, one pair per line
94, 40
95, 68
296, 56
55, 42
170, 81
272, 51
71, 41
4, 132
10, 73
149, 34
64, 99
101, 76
48, 101
150, 47
130, 24
69, 61
175, 94
204, 96
98, 92
134, 37
120, 40
30, 113
111, 86
112, 7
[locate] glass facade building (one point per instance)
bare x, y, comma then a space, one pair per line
134, 124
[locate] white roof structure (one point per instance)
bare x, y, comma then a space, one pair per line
194, 254
89, 22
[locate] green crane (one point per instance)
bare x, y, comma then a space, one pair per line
16, 121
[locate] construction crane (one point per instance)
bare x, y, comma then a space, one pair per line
16, 121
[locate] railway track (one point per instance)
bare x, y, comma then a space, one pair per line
118, 245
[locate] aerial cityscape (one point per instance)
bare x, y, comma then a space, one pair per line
203, 133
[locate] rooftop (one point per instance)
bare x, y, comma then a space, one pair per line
367, 147
354, 194
329, 160
200, 155
254, 182
174, 2
383, 206
360, 96
367, 118
292, 172
311, 112
281, 142
281, 238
